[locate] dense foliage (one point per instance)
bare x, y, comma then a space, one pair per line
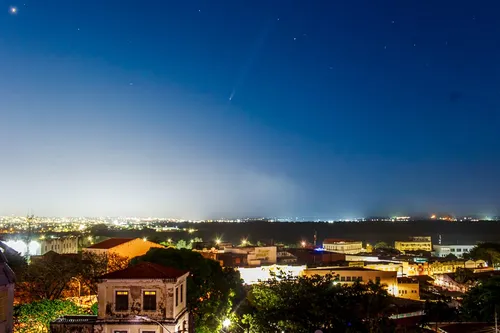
481, 302
306, 304
489, 252
36, 317
211, 289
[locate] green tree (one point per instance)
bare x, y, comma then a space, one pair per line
36, 317
382, 245
94, 265
306, 304
48, 277
211, 289
489, 252
481, 302
182, 244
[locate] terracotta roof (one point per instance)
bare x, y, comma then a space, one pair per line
110, 243
146, 270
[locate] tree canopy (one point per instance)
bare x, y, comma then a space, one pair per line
307, 304
210, 288
489, 252
481, 301
36, 317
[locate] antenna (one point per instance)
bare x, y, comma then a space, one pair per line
315, 237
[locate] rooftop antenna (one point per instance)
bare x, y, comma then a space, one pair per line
315, 237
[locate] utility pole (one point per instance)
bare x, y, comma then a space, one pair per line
29, 220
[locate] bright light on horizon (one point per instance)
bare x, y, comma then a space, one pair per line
21, 247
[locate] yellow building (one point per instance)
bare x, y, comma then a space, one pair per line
348, 275
408, 288
414, 244
122, 247
343, 246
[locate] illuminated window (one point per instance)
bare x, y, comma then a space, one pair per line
149, 300
121, 300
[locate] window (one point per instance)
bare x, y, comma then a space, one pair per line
182, 292
176, 296
342, 278
120, 331
348, 278
360, 278
149, 300
121, 300
377, 279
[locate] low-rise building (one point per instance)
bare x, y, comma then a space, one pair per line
420, 243
457, 250
122, 247
348, 275
61, 245
146, 298
408, 288
256, 255
343, 246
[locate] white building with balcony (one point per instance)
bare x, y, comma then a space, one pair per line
145, 298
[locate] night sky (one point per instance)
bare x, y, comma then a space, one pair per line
204, 109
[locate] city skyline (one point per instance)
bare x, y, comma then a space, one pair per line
201, 111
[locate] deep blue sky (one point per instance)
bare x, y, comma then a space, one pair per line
197, 109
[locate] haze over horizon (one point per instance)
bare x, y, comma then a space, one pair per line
200, 110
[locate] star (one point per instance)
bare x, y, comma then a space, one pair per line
13, 10
199, 10
278, 19
294, 38
414, 44
131, 83
392, 22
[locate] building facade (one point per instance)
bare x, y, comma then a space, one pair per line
7, 280
146, 298
349, 275
457, 250
63, 245
256, 255
420, 243
343, 246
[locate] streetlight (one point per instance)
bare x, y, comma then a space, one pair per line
227, 322
154, 321
244, 242
303, 243
217, 241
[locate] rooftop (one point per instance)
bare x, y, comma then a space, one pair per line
146, 270
110, 243
345, 269
338, 240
